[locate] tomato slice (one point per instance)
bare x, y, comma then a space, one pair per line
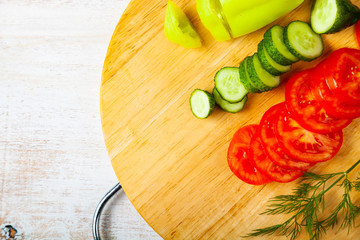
267, 167
331, 103
342, 73
357, 30
307, 111
303, 145
271, 144
239, 160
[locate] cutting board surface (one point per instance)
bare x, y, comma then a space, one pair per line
173, 166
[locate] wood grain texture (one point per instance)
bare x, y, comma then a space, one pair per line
54, 168
172, 165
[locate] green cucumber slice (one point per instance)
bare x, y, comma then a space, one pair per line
330, 16
264, 80
302, 41
202, 103
274, 44
227, 106
228, 84
268, 63
245, 78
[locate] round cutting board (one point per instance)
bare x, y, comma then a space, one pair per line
173, 166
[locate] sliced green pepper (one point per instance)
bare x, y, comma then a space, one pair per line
211, 17
178, 28
240, 17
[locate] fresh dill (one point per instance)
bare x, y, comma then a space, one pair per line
307, 202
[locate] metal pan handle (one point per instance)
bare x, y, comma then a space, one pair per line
100, 207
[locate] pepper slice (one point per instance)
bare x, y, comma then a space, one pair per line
178, 28
210, 13
246, 16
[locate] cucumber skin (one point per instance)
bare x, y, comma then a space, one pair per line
273, 51
347, 15
245, 79
254, 77
211, 103
293, 51
224, 107
218, 90
268, 67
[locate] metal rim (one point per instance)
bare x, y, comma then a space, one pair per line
99, 208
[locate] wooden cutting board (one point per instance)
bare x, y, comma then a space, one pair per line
173, 166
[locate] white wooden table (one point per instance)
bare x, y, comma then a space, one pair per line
54, 164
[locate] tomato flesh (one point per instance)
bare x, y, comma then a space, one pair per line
357, 30
331, 103
271, 144
239, 160
269, 168
304, 145
342, 73
307, 111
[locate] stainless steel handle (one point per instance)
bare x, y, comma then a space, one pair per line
100, 207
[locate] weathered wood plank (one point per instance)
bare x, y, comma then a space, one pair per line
54, 167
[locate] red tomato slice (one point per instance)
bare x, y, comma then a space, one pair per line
267, 167
331, 103
357, 30
238, 157
271, 144
306, 109
303, 145
342, 73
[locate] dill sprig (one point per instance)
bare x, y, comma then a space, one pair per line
307, 202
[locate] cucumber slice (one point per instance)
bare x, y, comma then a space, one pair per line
245, 78
302, 41
274, 44
202, 103
228, 84
263, 80
268, 63
329, 16
227, 106
257, 84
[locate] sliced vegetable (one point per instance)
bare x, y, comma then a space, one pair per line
239, 160
261, 78
178, 28
329, 16
274, 44
303, 145
245, 78
271, 144
227, 106
268, 63
357, 30
202, 103
244, 16
342, 74
302, 41
234, 18
210, 13
332, 104
229, 86
263, 163
307, 111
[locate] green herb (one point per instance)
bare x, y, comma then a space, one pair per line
306, 203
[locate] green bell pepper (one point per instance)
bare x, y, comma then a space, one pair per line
178, 28
210, 15
240, 17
